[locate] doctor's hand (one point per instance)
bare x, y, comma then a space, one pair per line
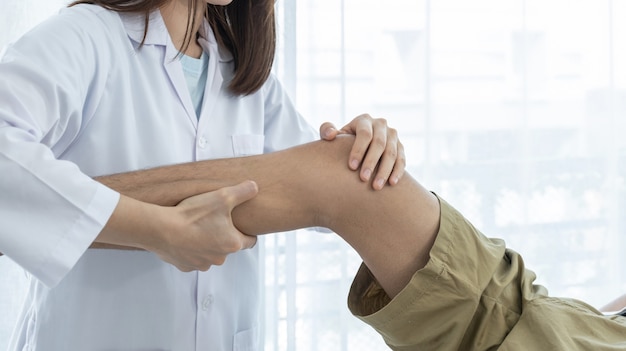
193, 235
203, 233
375, 145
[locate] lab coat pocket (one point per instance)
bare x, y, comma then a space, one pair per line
247, 340
247, 144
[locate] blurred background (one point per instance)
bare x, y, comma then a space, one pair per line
514, 111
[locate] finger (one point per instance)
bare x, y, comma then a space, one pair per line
385, 166
203, 268
179, 266
184, 269
328, 131
240, 193
183, 266
358, 122
388, 160
362, 127
206, 268
378, 145
248, 241
399, 167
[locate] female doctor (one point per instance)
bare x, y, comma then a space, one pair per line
109, 86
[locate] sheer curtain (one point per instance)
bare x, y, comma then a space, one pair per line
512, 110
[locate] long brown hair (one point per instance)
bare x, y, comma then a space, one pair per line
244, 27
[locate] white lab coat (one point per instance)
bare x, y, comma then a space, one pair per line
79, 99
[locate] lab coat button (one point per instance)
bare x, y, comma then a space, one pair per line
202, 143
206, 302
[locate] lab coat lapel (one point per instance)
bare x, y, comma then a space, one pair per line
213, 87
174, 70
158, 35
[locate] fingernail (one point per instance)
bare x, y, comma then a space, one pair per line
394, 180
354, 164
329, 132
380, 183
367, 173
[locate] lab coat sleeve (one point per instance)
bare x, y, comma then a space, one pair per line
50, 81
284, 126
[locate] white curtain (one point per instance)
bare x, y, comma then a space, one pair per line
512, 110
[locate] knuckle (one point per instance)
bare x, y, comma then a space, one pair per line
252, 244
402, 159
382, 121
401, 155
365, 131
399, 164
379, 141
358, 153
392, 132
231, 245
218, 261
235, 245
226, 196
391, 153
220, 194
183, 269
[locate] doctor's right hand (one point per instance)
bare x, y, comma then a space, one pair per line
205, 233
193, 235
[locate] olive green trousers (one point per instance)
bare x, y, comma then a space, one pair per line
475, 294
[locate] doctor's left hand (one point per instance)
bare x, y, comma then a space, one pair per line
376, 145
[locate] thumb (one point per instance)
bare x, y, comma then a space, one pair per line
248, 241
328, 131
241, 193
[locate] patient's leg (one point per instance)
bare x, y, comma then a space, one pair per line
392, 230
305, 186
